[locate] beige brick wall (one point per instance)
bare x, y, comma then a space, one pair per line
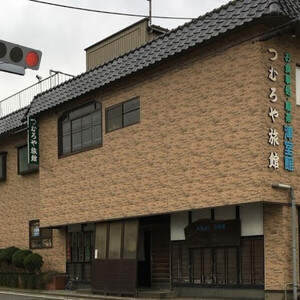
20, 203
278, 246
199, 144
202, 142
268, 176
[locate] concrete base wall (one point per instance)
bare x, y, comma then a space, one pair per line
278, 295
221, 293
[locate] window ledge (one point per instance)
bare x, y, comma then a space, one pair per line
80, 151
28, 172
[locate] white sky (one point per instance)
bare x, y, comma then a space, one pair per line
63, 34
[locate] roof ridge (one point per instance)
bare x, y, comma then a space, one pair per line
275, 7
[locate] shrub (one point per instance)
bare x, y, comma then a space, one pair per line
33, 262
18, 258
23, 281
7, 253
9, 279
32, 281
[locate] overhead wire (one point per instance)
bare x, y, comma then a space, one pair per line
107, 12
134, 15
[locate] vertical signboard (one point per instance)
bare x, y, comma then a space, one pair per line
33, 141
287, 127
273, 111
288, 157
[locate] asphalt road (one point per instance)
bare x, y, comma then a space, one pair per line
35, 297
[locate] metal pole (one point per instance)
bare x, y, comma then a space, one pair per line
150, 12
294, 249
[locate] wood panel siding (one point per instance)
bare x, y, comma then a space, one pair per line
119, 43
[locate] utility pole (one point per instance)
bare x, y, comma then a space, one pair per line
150, 12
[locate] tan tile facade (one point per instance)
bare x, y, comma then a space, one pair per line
202, 142
20, 203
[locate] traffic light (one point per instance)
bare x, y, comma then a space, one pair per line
18, 55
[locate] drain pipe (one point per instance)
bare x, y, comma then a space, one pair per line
293, 202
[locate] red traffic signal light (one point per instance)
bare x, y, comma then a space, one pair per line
18, 55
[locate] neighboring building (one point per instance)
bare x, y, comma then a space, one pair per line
155, 168
121, 42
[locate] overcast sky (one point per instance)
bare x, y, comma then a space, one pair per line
63, 34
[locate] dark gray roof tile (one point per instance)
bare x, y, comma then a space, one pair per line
13, 121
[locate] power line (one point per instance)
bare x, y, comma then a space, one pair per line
108, 12
206, 17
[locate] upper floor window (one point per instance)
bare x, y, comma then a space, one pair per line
23, 165
123, 114
39, 237
80, 129
3, 166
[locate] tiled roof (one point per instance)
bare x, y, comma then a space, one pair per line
227, 17
13, 121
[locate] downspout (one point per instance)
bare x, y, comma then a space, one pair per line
294, 237
294, 244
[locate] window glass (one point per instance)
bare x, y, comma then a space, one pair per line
82, 111
132, 117
81, 129
114, 118
125, 114
2, 166
76, 141
115, 231
66, 128
66, 140
87, 137
100, 240
96, 134
39, 237
23, 159
131, 105
96, 118
130, 239
23, 166
86, 122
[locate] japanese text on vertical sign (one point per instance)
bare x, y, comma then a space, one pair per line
33, 141
273, 112
288, 129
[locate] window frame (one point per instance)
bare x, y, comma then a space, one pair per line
122, 106
66, 114
30, 167
3, 155
41, 237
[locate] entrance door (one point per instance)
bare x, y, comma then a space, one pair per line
154, 252
115, 263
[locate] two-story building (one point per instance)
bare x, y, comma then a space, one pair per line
155, 167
